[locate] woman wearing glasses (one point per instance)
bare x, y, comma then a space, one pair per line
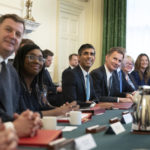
141, 73
127, 67
29, 64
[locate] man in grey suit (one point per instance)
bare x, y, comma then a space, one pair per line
11, 32
105, 79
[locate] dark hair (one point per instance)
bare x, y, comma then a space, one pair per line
20, 57
14, 17
25, 42
138, 67
37, 84
83, 47
70, 56
119, 50
47, 52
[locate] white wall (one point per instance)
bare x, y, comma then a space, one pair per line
11, 6
46, 35
94, 27
44, 12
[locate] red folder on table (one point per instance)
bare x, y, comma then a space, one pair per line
119, 105
94, 110
85, 117
42, 138
122, 105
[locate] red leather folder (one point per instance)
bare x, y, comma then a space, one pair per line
94, 110
122, 105
42, 138
85, 117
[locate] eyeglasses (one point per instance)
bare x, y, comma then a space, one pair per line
33, 58
129, 64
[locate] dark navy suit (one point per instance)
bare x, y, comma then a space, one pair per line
54, 98
73, 85
100, 85
137, 79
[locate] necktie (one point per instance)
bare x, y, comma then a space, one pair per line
120, 80
3, 67
109, 85
87, 87
130, 82
5, 85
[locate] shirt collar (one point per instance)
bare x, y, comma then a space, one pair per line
71, 67
5, 60
108, 73
84, 72
119, 69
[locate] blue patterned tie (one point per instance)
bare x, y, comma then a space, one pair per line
120, 80
109, 85
87, 87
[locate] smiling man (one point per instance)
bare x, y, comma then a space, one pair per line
105, 79
77, 83
11, 33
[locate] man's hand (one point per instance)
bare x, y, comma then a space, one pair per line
129, 96
27, 124
59, 89
8, 138
125, 100
62, 110
106, 105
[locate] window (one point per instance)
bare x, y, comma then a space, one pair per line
138, 27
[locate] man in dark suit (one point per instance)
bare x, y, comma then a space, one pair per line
54, 92
73, 62
11, 32
74, 82
105, 79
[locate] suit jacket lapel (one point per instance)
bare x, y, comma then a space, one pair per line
80, 73
105, 78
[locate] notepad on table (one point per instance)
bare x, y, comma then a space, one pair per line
42, 138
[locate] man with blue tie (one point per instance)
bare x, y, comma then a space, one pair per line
109, 90
77, 83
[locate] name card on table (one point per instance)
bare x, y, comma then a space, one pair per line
95, 129
127, 118
85, 142
113, 120
115, 128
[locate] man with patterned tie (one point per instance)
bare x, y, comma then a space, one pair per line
77, 83
101, 78
11, 32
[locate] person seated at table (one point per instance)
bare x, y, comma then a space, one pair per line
9, 138
55, 96
141, 73
73, 62
29, 64
106, 82
127, 67
27, 123
77, 83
